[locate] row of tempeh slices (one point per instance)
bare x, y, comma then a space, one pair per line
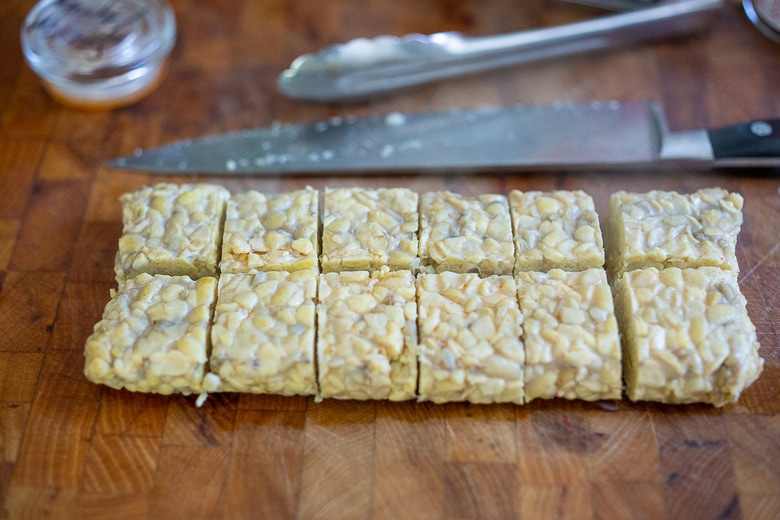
436, 297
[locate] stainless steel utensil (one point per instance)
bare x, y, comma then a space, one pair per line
599, 135
365, 67
617, 5
765, 14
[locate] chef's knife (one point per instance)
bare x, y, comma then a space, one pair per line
566, 136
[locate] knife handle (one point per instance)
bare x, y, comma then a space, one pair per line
755, 143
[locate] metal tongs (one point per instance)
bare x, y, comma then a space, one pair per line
364, 67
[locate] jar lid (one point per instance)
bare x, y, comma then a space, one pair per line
99, 53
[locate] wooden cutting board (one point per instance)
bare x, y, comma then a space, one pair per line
71, 449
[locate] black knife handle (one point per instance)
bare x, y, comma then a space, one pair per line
754, 139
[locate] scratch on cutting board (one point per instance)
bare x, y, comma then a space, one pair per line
473, 491
760, 262
763, 258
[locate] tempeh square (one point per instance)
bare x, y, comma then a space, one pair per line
470, 339
153, 336
572, 347
367, 335
367, 229
271, 232
465, 234
667, 229
687, 336
263, 333
171, 229
555, 230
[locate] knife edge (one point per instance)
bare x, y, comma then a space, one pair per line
564, 135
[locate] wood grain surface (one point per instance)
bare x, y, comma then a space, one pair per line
71, 449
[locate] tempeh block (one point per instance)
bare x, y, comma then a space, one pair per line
470, 339
687, 336
555, 230
153, 336
263, 333
465, 234
367, 335
171, 229
270, 232
572, 347
667, 229
367, 229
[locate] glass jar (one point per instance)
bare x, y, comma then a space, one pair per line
99, 54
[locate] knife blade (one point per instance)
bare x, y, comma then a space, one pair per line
564, 136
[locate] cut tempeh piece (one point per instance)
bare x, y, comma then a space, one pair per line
465, 234
556, 229
667, 229
153, 336
270, 232
367, 335
263, 333
687, 336
470, 339
572, 347
367, 229
171, 229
